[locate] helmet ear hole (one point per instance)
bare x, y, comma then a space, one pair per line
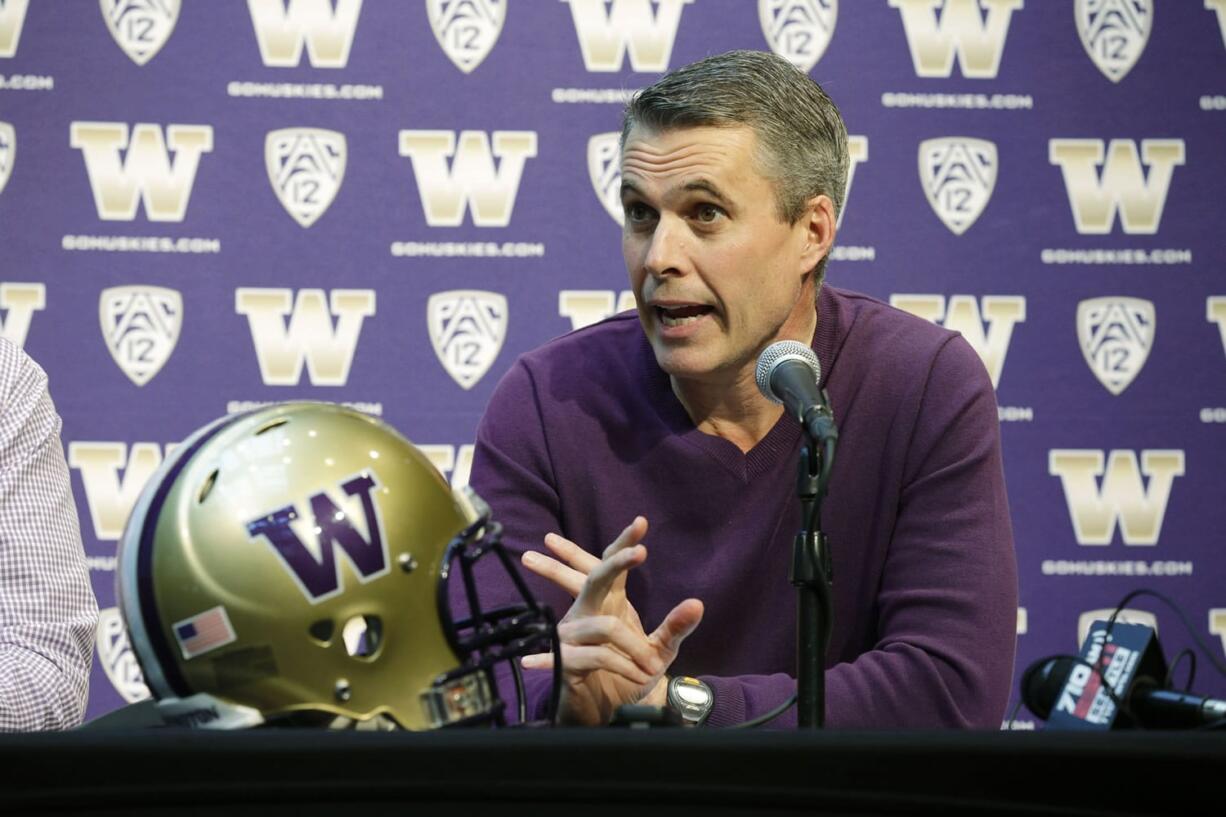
206, 487
269, 426
322, 630
363, 635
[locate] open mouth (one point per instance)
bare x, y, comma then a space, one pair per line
681, 315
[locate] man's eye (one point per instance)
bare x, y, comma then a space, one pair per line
708, 213
636, 211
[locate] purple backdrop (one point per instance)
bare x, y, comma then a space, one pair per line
206, 205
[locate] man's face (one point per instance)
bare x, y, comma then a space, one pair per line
717, 274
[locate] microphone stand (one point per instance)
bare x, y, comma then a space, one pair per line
811, 566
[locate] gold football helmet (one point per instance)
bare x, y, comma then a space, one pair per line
292, 564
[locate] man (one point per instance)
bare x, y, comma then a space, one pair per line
47, 609
733, 173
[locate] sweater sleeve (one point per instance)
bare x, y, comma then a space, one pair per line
947, 601
513, 473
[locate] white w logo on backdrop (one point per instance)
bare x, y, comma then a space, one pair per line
607, 29
798, 30
110, 497
585, 307
306, 167
963, 315
282, 30
466, 29
961, 30
310, 337
1218, 6
12, 17
1094, 510
20, 302
857, 152
467, 328
146, 173
8, 152
1114, 32
471, 180
1123, 184
1215, 312
958, 174
141, 327
1116, 335
140, 27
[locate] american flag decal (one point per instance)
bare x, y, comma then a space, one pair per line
204, 632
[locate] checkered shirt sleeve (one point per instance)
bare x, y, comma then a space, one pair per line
47, 607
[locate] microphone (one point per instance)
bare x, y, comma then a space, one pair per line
788, 373
1070, 695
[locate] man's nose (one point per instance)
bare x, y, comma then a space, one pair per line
666, 251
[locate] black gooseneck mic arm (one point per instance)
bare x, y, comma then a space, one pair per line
788, 372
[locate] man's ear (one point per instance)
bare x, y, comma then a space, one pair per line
818, 220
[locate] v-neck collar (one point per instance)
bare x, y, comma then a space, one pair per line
783, 437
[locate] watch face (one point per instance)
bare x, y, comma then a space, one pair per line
695, 696
691, 698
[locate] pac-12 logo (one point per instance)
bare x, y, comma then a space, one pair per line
12, 17
305, 167
141, 327
140, 27
471, 180
306, 539
1114, 32
958, 174
467, 328
1116, 335
325, 27
8, 152
798, 30
116, 657
466, 29
1094, 510
605, 172
609, 29
977, 41
20, 301
146, 172
1123, 184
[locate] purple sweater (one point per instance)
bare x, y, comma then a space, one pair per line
585, 432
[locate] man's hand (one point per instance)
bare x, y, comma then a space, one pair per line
607, 658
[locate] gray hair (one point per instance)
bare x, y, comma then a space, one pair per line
802, 137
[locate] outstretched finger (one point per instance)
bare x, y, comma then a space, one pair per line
611, 571
570, 553
677, 626
567, 578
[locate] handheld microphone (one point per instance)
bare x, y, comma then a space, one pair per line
1071, 695
788, 373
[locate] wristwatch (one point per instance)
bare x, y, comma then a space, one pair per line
691, 699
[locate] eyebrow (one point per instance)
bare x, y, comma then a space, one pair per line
702, 185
